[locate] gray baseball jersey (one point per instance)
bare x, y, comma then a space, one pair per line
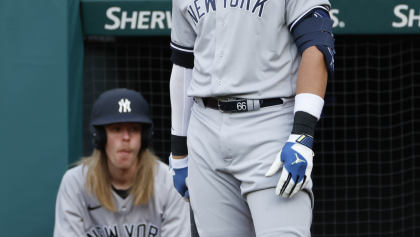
80, 214
242, 48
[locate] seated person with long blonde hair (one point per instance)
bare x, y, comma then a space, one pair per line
122, 189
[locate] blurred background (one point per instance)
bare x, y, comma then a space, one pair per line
57, 57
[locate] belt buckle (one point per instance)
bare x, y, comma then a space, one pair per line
218, 106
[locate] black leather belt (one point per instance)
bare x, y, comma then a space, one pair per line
239, 105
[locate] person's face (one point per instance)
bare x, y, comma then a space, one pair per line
123, 144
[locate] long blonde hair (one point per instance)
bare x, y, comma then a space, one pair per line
98, 179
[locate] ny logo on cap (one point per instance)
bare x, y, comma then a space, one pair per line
124, 106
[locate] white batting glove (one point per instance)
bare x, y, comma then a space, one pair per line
296, 160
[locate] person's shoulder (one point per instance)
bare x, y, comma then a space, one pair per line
162, 169
75, 175
163, 175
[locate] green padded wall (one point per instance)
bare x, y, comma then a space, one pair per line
41, 54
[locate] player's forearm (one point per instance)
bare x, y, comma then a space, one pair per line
310, 91
313, 74
181, 110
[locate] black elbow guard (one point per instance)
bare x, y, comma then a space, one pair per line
315, 29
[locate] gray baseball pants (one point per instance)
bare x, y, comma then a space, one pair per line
229, 153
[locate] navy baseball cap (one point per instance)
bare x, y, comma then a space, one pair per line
119, 106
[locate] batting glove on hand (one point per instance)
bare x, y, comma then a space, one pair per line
296, 160
179, 170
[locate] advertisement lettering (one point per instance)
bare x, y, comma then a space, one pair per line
334, 18
137, 19
400, 11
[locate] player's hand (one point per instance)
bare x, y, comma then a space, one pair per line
180, 176
296, 160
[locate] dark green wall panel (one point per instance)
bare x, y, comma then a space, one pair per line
75, 80
38, 83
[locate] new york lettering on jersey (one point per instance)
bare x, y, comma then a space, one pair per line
132, 230
196, 11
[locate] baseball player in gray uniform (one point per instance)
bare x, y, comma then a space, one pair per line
247, 89
122, 189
